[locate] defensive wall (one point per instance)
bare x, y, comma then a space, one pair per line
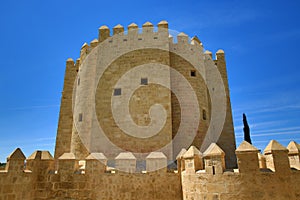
273, 175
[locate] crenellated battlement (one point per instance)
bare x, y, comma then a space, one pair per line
145, 35
276, 158
39, 174
274, 174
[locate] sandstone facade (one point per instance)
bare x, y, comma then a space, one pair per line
201, 177
144, 91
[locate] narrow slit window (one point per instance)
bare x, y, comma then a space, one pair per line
80, 117
144, 81
204, 117
78, 81
117, 91
193, 73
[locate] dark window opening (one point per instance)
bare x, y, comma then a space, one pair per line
117, 91
193, 73
80, 117
78, 82
144, 81
204, 117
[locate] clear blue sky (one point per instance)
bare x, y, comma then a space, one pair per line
261, 40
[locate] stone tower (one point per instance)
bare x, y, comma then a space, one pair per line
140, 91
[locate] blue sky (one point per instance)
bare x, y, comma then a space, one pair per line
261, 40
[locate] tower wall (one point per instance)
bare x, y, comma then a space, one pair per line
227, 138
65, 122
111, 123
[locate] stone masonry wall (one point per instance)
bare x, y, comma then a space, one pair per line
278, 180
102, 122
68, 179
230, 185
41, 180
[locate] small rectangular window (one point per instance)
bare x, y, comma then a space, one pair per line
117, 91
144, 81
78, 81
204, 115
80, 117
193, 73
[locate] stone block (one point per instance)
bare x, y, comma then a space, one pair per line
156, 161
126, 162
67, 163
193, 160
294, 155
95, 163
247, 158
277, 157
15, 161
214, 156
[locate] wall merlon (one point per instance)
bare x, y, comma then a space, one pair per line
162, 25
85, 49
67, 163
126, 162
293, 148
132, 26
156, 162
17, 154
94, 43
15, 161
247, 156
209, 53
40, 162
277, 157
274, 146
147, 27
195, 40
246, 147
104, 33
220, 55
193, 160
95, 163
214, 159
182, 38
294, 154
70, 62
40, 155
118, 29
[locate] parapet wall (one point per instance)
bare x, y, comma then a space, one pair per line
274, 175
68, 178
